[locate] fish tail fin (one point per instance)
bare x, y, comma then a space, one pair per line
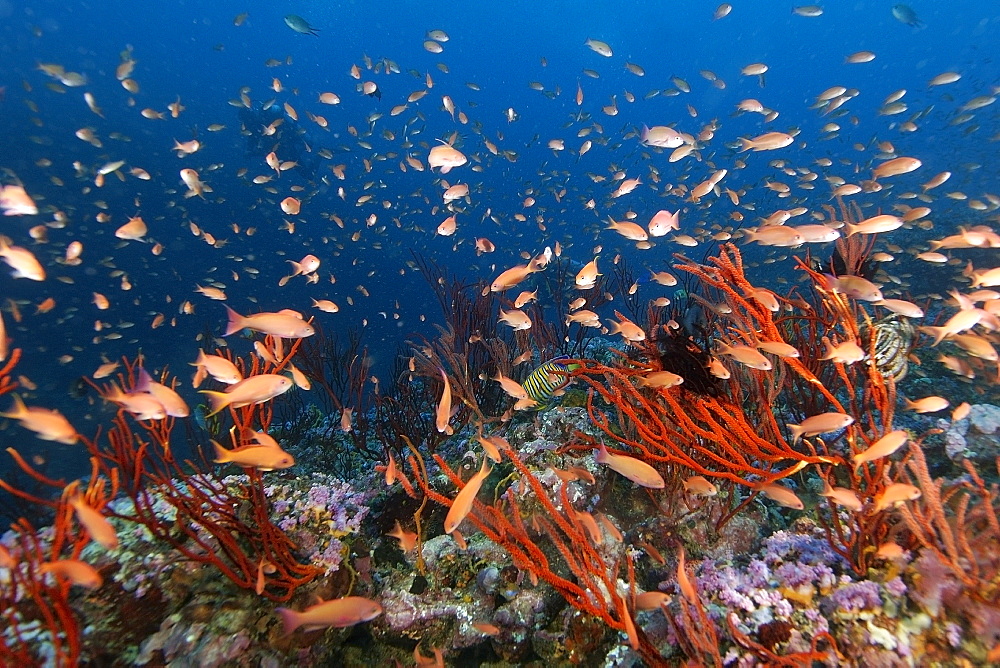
142, 383
18, 410
221, 454
199, 375
745, 144
201, 358
937, 332
796, 432
236, 322
218, 401
290, 620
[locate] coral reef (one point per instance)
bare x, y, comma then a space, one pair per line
709, 527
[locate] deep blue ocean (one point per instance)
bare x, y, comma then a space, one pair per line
494, 54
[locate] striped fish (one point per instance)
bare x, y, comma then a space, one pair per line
542, 383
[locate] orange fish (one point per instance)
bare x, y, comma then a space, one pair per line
634, 469
663, 222
926, 405
444, 406
586, 278
194, 183
79, 573
142, 405
745, 355
337, 613
286, 324
172, 402
447, 227
820, 424
253, 390
48, 424
260, 457
407, 539
513, 276
134, 230
97, 526
782, 495
21, 260
484, 245
874, 225
883, 447
895, 494
446, 157
842, 496
219, 368
699, 486
516, 318
462, 504
513, 388
766, 142
14, 201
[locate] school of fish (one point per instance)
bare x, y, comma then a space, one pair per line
100, 239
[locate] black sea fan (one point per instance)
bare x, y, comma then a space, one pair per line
851, 256
864, 267
679, 353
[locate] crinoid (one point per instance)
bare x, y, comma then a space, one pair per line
891, 339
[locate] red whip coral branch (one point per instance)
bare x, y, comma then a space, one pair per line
959, 523
584, 575
711, 436
738, 434
219, 522
29, 596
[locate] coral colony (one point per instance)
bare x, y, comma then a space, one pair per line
512, 535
